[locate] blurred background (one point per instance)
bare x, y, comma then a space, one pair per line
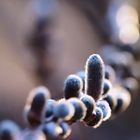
43, 41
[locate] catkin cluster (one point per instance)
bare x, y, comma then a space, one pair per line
91, 96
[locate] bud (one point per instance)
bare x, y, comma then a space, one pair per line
80, 109
94, 76
51, 129
107, 87
73, 86
35, 106
90, 105
8, 130
64, 110
66, 130
96, 118
104, 106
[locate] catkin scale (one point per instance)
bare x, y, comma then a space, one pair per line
94, 76
72, 86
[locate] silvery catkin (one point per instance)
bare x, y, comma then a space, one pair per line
94, 76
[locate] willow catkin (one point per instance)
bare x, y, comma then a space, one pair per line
73, 86
51, 129
66, 130
35, 105
94, 76
123, 99
50, 105
80, 109
111, 99
90, 105
64, 110
41, 94
104, 106
9, 130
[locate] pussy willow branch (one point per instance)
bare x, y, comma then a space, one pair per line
90, 97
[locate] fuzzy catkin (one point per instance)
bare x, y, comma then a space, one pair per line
35, 105
72, 86
94, 76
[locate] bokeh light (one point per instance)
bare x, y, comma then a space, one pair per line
128, 24
129, 34
126, 14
